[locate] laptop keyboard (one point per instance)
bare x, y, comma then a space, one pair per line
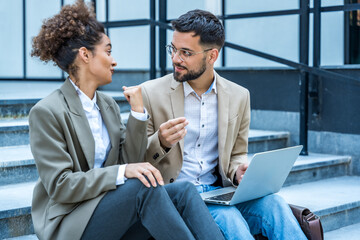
223, 197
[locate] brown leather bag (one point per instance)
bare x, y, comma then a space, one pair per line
309, 222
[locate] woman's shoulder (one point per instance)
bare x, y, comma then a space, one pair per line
52, 102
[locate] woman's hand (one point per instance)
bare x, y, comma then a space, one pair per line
140, 170
134, 97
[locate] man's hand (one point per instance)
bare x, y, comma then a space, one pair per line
134, 97
240, 172
172, 131
140, 170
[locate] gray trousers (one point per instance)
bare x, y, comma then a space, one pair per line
174, 211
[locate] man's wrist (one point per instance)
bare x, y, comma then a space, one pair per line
166, 149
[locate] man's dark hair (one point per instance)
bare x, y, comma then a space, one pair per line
204, 24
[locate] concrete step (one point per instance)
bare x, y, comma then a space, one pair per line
15, 210
15, 106
14, 132
26, 237
318, 166
260, 140
351, 232
335, 200
17, 165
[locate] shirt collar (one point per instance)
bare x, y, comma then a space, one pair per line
86, 102
188, 89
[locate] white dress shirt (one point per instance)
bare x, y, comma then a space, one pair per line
201, 141
100, 133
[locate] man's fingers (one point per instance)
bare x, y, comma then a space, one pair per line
177, 136
173, 122
131, 87
178, 127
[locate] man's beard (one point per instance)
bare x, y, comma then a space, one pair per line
191, 75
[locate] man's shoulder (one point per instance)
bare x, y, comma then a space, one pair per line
158, 83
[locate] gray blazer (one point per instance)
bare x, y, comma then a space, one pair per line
69, 188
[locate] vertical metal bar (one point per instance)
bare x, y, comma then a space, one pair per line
62, 72
107, 16
162, 36
314, 80
304, 76
223, 12
347, 35
317, 33
94, 5
24, 39
152, 41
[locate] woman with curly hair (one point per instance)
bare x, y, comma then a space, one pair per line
92, 181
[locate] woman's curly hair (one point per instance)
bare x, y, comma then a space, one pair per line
61, 36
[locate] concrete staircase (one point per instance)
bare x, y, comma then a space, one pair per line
318, 181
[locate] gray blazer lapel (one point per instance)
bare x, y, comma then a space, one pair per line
111, 124
177, 103
81, 124
223, 114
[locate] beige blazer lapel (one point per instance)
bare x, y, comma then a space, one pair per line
177, 103
80, 122
110, 122
223, 116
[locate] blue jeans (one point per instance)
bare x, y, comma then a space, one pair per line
271, 216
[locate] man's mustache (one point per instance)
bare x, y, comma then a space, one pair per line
178, 65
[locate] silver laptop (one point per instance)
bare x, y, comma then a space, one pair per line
265, 175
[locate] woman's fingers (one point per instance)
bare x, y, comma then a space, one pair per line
145, 172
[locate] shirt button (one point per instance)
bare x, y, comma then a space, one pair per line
198, 145
202, 103
201, 162
171, 180
203, 125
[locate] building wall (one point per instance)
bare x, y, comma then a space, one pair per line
274, 35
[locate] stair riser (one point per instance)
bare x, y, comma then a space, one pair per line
14, 137
22, 225
19, 135
16, 226
15, 110
317, 173
21, 109
19, 174
340, 219
266, 145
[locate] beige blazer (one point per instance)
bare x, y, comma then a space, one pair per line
63, 147
164, 100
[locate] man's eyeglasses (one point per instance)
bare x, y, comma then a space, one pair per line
183, 54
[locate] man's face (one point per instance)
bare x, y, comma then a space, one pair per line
192, 67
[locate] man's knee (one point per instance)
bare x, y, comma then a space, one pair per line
274, 201
226, 213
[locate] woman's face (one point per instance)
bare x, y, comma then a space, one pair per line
102, 63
